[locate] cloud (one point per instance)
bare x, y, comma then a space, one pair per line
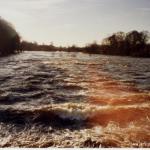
74, 20
29, 4
144, 9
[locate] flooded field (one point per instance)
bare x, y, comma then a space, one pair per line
61, 99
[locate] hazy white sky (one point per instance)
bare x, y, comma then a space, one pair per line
67, 22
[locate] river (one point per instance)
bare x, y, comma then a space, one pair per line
60, 99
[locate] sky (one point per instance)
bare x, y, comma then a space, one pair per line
79, 22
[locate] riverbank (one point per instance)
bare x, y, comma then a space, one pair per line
134, 44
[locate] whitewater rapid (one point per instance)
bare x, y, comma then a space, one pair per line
60, 99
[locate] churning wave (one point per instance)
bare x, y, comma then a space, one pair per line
74, 100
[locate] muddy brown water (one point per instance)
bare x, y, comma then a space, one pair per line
60, 99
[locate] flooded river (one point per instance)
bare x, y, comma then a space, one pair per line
60, 99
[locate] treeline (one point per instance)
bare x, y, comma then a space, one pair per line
9, 39
133, 43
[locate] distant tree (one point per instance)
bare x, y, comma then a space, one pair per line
137, 41
9, 38
132, 43
111, 41
116, 43
114, 39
